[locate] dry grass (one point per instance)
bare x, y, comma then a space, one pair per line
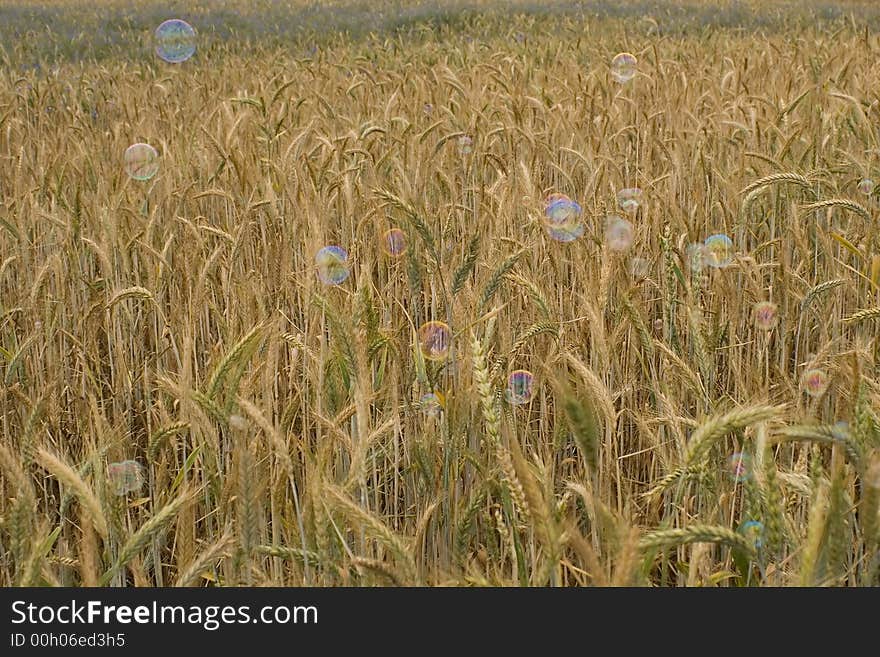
180, 323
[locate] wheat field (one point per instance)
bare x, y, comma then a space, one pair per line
676, 431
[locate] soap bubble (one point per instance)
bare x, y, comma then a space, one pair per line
618, 233
141, 161
435, 338
753, 531
175, 41
629, 199
623, 67
465, 145
697, 256
394, 242
866, 186
719, 249
430, 404
739, 466
814, 382
562, 218
125, 477
332, 265
766, 317
520, 387
639, 268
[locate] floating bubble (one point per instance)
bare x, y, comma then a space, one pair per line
623, 67
465, 145
562, 218
697, 256
559, 210
431, 404
394, 242
753, 531
566, 233
428, 108
866, 186
141, 161
739, 466
814, 382
435, 339
175, 41
332, 264
125, 477
639, 268
719, 250
618, 233
840, 430
238, 422
629, 199
766, 317
520, 387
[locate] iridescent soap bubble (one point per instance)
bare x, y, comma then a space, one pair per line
618, 233
753, 532
141, 161
739, 466
866, 186
559, 210
465, 145
520, 387
629, 199
639, 268
840, 430
814, 382
125, 477
332, 265
175, 41
766, 316
430, 404
562, 218
719, 250
623, 67
394, 242
435, 338
566, 233
697, 256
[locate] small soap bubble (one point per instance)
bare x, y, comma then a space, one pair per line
175, 41
125, 477
428, 109
697, 256
332, 265
465, 145
719, 250
629, 199
766, 316
739, 466
639, 268
866, 186
394, 242
430, 404
814, 382
141, 161
562, 218
238, 422
623, 67
435, 339
753, 531
618, 233
520, 387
